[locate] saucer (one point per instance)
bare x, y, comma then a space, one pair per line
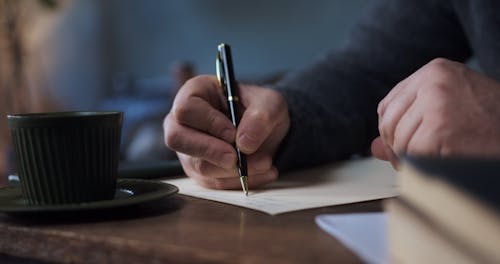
128, 192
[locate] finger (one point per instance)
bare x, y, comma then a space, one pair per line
377, 148
199, 168
393, 159
262, 159
383, 152
406, 128
200, 174
260, 119
389, 120
197, 113
259, 162
186, 163
205, 169
203, 86
254, 181
190, 141
424, 142
394, 93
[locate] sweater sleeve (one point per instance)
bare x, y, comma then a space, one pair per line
333, 103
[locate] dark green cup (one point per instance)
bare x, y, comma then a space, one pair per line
67, 157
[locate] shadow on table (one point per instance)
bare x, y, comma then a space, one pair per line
6, 259
149, 209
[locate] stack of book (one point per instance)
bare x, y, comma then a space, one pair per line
448, 211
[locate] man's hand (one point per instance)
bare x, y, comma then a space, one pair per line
442, 109
198, 129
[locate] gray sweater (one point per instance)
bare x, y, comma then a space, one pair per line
333, 103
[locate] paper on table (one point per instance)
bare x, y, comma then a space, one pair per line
365, 234
347, 182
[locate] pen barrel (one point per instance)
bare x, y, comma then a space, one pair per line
235, 119
242, 161
227, 80
234, 112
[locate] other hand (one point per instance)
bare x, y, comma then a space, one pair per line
443, 109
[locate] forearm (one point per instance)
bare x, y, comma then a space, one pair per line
333, 103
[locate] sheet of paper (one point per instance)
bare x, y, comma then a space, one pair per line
348, 182
365, 234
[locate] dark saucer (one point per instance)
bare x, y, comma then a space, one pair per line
128, 192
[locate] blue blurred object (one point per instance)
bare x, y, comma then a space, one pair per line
145, 103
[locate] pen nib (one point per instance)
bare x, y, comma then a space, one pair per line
244, 184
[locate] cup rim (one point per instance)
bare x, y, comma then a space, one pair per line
65, 119
63, 114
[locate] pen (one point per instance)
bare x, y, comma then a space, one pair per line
225, 75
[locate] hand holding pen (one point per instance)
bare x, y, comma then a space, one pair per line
205, 139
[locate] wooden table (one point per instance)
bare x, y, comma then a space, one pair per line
179, 229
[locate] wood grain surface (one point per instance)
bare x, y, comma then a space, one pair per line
179, 229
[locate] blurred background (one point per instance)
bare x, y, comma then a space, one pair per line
132, 55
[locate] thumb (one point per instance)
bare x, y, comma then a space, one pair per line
265, 109
381, 151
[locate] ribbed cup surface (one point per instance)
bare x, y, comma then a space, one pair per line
69, 161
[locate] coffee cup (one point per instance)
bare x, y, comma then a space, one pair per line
66, 157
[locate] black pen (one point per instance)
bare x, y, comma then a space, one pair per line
225, 75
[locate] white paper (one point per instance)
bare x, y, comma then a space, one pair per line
365, 234
348, 182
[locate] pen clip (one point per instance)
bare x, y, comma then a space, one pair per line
221, 76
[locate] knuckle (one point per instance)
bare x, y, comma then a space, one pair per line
198, 81
440, 85
181, 112
278, 102
261, 117
172, 139
438, 92
445, 66
443, 71
201, 166
381, 122
437, 67
202, 150
440, 62
214, 123
212, 119
167, 122
380, 108
277, 98
212, 152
